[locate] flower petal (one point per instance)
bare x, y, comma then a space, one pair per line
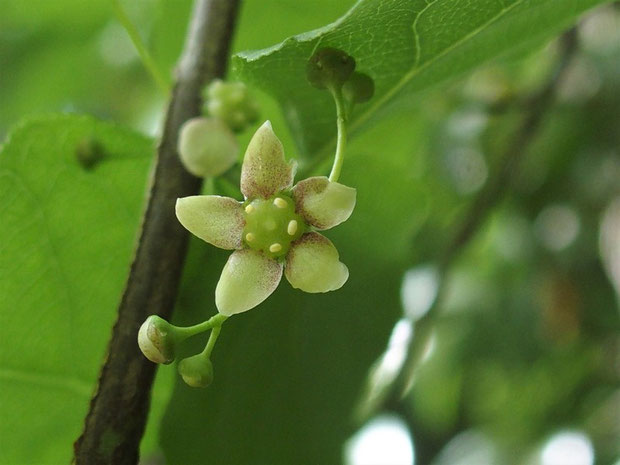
214, 219
265, 172
248, 278
312, 265
322, 203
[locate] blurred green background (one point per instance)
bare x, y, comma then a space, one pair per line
524, 363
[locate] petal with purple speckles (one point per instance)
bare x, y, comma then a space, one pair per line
313, 265
265, 172
248, 278
214, 219
324, 204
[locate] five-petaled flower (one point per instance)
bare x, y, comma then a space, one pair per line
273, 229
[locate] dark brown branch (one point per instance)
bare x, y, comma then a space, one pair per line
118, 411
535, 109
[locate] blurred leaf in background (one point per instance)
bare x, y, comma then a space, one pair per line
71, 190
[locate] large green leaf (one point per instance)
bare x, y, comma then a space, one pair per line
287, 374
406, 46
65, 246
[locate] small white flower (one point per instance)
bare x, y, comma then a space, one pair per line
273, 230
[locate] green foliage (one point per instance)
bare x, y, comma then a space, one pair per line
67, 237
405, 46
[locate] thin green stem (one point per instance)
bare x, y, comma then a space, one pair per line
209, 186
341, 122
212, 323
215, 332
145, 56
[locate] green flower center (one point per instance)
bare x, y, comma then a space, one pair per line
271, 225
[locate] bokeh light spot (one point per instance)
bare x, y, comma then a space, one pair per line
383, 440
557, 226
568, 448
419, 290
468, 169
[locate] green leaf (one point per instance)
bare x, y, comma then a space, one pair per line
65, 247
288, 373
406, 46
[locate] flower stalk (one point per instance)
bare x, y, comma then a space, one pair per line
341, 142
334, 70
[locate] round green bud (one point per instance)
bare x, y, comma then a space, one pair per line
216, 89
196, 371
232, 103
89, 152
156, 340
207, 147
359, 88
329, 67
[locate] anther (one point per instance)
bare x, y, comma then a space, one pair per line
249, 209
279, 202
291, 229
275, 247
250, 237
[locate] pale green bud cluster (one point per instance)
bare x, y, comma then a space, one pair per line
207, 146
232, 103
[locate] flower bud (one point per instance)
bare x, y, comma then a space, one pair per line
156, 340
232, 103
207, 147
359, 88
196, 371
329, 67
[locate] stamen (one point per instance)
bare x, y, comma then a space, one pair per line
291, 229
250, 237
249, 208
279, 202
275, 247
